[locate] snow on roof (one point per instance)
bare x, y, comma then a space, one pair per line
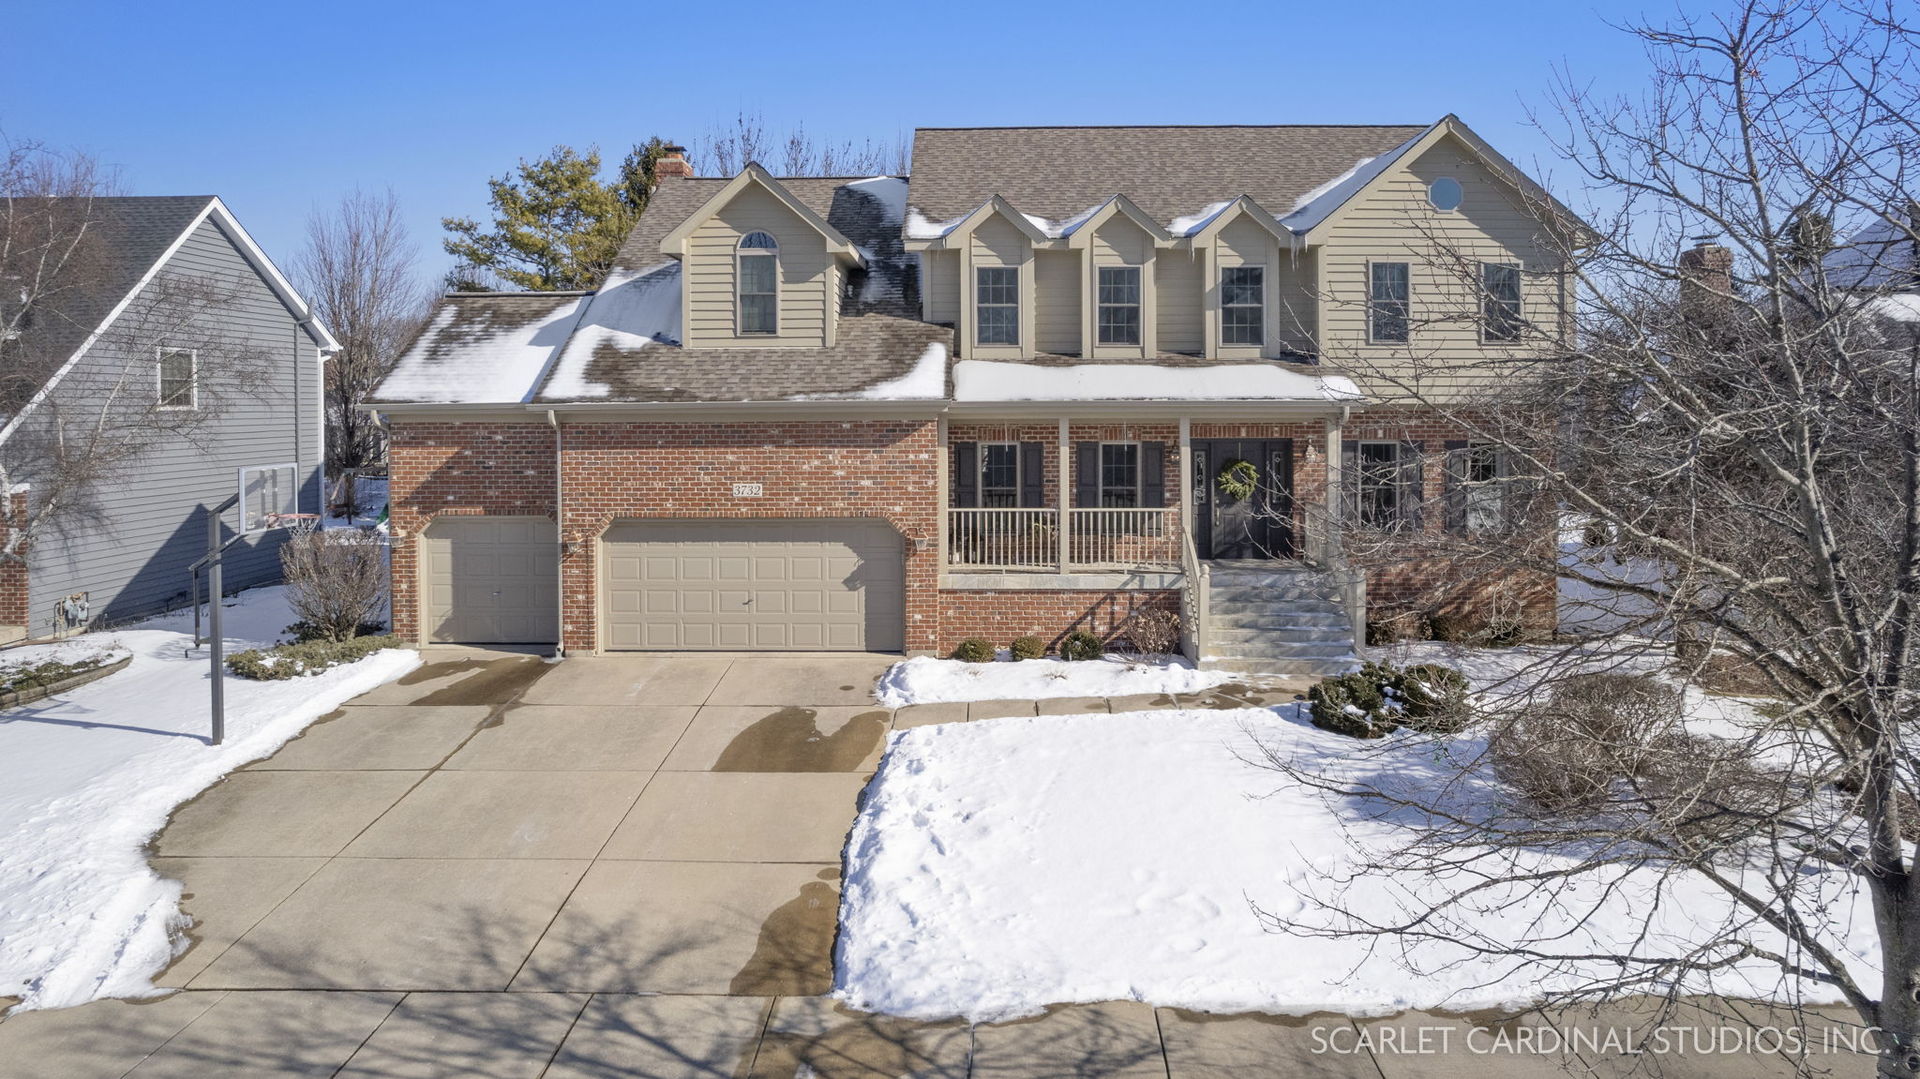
1188, 224
1900, 307
926, 380
1317, 205
631, 311
919, 228
484, 348
889, 191
989, 380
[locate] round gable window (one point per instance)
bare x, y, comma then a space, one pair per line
1444, 193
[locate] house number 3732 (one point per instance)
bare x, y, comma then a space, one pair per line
747, 490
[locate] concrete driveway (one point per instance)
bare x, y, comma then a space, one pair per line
499, 866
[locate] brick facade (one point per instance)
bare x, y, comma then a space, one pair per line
883, 469
15, 598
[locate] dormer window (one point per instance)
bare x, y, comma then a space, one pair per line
1243, 306
1119, 306
757, 283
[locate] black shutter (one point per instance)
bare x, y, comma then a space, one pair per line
1457, 462
1349, 493
1412, 484
1153, 474
1086, 474
966, 474
1033, 474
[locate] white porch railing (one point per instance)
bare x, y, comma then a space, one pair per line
1029, 540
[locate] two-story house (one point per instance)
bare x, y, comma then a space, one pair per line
174, 368
1055, 377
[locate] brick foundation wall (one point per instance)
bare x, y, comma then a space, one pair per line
14, 601
1000, 616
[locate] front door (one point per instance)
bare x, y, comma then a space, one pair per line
1243, 498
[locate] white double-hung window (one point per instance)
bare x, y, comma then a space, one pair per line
758, 284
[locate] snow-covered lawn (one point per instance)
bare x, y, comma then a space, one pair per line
925, 680
88, 777
1000, 866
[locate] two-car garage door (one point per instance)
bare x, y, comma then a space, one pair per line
798, 584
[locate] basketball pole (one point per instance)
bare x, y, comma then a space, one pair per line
216, 641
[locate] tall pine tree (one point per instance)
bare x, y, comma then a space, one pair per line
556, 225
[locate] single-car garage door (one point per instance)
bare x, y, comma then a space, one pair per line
491, 580
798, 584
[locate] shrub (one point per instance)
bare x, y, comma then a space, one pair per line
974, 650
1504, 631
1393, 626
304, 657
1354, 704
1156, 632
1453, 627
1593, 730
1432, 698
1028, 648
336, 580
48, 673
307, 631
1082, 645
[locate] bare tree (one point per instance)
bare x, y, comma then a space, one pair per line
1738, 429
725, 151
358, 269
68, 429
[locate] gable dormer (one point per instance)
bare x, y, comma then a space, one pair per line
760, 269
990, 253
1119, 298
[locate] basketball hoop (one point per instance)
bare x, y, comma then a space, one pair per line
300, 524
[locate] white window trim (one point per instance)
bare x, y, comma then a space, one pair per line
739, 310
1399, 478
1371, 339
1139, 305
245, 471
1260, 325
1520, 303
160, 383
1018, 283
980, 472
1100, 481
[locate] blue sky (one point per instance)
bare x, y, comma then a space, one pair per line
279, 108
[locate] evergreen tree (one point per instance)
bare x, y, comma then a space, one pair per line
556, 224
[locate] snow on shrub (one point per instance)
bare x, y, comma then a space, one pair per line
1081, 645
1379, 698
305, 657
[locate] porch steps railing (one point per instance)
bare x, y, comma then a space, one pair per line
1286, 621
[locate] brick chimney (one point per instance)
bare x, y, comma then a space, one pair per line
673, 162
1706, 280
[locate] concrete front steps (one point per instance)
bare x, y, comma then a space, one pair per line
1279, 620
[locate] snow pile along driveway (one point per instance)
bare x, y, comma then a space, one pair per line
925, 680
88, 777
1004, 865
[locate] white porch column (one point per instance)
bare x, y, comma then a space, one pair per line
1066, 490
1186, 474
1334, 506
945, 489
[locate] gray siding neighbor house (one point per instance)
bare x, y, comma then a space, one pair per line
186, 329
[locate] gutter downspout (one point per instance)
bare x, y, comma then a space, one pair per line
560, 538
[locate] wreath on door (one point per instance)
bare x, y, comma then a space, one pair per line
1238, 479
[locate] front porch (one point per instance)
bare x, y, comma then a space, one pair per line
1226, 522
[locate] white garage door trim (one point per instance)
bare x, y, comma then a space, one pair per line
785, 584
489, 580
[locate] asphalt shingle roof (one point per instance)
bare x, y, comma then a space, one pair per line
1056, 172
133, 232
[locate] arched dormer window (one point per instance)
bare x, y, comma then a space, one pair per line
757, 283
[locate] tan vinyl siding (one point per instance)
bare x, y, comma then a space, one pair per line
1057, 280
710, 269
1296, 306
940, 278
997, 243
1396, 224
1180, 293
